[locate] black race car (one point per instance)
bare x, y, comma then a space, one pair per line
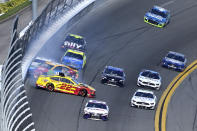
75, 42
113, 76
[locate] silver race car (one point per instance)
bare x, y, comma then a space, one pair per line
97, 110
143, 98
149, 78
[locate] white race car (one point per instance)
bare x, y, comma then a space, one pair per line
149, 78
97, 110
143, 98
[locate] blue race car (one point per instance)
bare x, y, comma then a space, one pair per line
175, 61
157, 16
74, 59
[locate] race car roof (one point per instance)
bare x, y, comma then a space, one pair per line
160, 8
114, 68
97, 101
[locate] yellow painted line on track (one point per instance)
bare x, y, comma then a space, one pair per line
166, 96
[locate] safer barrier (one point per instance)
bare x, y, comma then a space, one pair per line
16, 113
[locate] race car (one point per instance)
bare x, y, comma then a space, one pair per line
175, 61
149, 78
113, 76
75, 42
43, 67
97, 110
143, 98
157, 16
65, 84
74, 59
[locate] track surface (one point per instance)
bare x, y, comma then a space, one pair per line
116, 36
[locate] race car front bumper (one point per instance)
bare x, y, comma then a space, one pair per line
142, 104
95, 116
173, 66
154, 23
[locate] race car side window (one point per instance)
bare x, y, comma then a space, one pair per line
65, 80
55, 78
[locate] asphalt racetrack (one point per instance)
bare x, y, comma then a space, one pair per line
117, 36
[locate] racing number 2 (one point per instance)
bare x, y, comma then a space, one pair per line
67, 87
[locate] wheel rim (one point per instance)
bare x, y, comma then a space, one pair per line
50, 87
83, 93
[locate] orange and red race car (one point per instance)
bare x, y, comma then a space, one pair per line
65, 84
44, 67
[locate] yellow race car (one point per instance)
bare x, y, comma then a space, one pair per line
74, 59
65, 84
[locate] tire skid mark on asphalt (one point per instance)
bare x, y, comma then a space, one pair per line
168, 3
118, 35
184, 10
116, 51
161, 112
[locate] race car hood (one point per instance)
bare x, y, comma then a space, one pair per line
155, 17
148, 79
143, 99
96, 110
72, 62
72, 45
173, 61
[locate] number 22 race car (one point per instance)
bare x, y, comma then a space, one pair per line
65, 84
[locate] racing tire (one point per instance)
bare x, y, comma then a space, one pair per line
104, 118
138, 84
103, 81
83, 93
86, 116
50, 87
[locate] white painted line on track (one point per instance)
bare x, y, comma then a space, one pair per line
168, 3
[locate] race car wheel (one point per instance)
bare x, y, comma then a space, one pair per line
104, 118
50, 87
86, 116
83, 93
103, 81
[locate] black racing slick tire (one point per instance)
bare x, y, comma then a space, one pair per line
50, 87
83, 93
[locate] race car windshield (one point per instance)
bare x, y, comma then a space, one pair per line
75, 81
114, 72
142, 94
176, 57
97, 105
73, 55
157, 12
75, 40
150, 74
